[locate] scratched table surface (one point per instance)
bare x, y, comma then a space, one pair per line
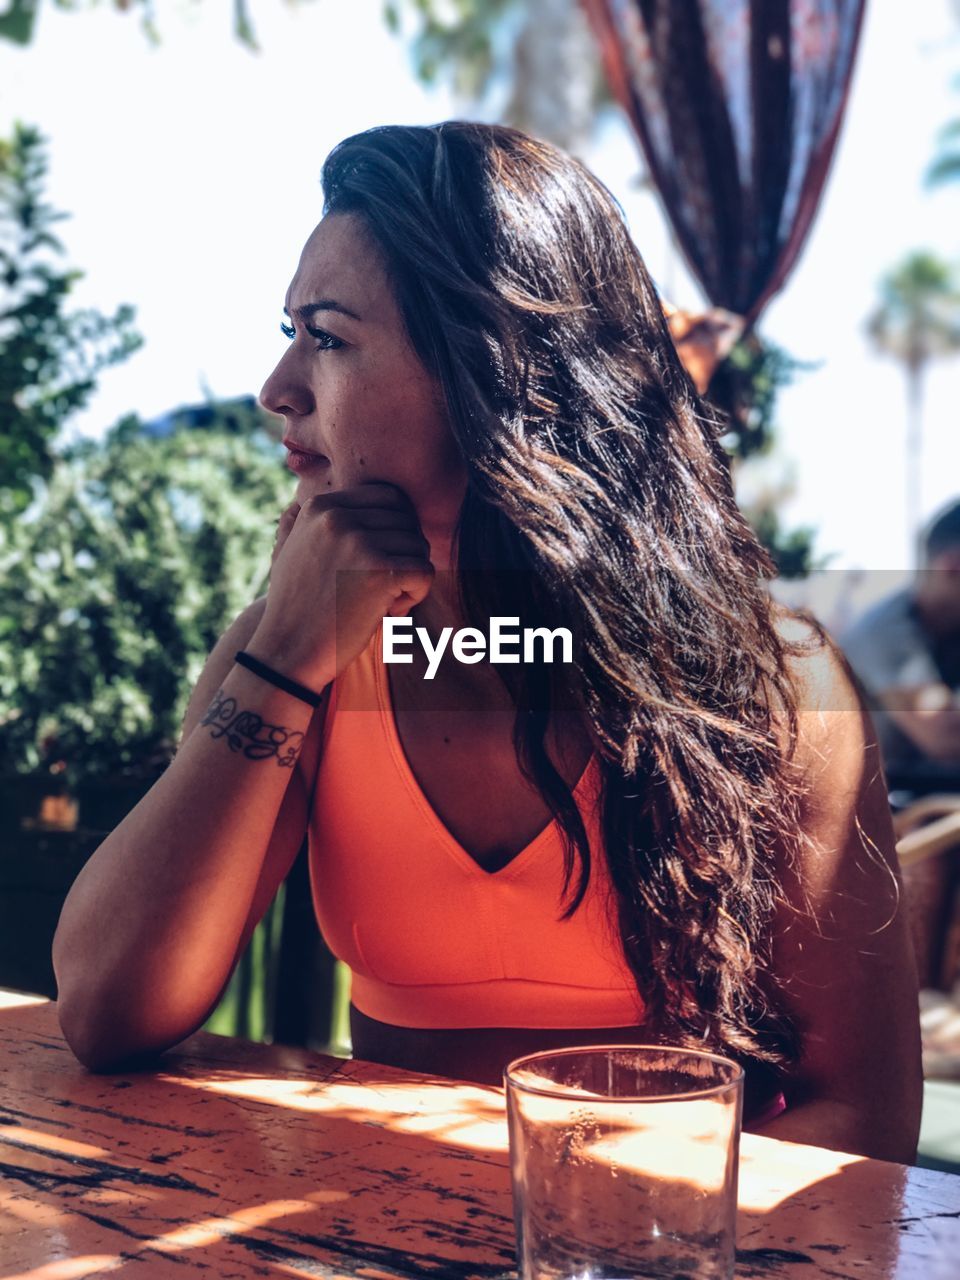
233, 1160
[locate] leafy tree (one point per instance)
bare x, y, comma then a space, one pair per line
460, 33
543, 47
946, 164
916, 321
18, 23
116, 586
542, 52
49, 357
456, 41
791, 550
745, 387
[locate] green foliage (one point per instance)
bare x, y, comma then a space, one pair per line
19, 21
745, 387
470, 43
792, 551
246, 1007
117, 584
455, 38
49, 358
945, 166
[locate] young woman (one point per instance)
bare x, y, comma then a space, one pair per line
681, 834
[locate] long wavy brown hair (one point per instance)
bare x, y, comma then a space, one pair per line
600, 499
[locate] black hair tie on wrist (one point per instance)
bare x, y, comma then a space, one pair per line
275, 678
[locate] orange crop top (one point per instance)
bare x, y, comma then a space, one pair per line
432, 939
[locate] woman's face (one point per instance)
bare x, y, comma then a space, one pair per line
352, 390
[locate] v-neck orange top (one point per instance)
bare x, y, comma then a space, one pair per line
431, 938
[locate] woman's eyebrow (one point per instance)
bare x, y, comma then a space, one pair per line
324, 304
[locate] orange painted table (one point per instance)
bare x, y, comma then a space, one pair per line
233, 1160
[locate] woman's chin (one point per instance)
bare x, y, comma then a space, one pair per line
314, 486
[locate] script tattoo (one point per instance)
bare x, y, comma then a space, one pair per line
246, 732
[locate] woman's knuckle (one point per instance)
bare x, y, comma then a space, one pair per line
335, 520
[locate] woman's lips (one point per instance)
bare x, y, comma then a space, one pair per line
302, 460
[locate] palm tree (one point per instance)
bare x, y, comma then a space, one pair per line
541, 51
917, 320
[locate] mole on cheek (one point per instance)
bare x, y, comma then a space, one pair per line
361, 462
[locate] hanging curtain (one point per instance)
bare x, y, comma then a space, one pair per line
738, 105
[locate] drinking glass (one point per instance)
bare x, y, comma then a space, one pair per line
623, 1160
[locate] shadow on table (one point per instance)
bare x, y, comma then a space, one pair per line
238, 1155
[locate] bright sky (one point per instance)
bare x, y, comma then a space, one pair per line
191, 173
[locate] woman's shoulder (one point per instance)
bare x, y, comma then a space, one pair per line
815, 664
836, 743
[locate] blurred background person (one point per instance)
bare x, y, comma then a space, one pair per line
906, 651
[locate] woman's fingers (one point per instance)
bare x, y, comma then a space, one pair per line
340, 561
286, 522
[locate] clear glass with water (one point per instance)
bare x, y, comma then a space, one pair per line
624, 1163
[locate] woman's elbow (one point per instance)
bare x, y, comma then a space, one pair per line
105, 1047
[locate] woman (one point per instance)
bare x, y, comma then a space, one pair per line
689, 838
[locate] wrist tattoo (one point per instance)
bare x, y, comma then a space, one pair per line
246, 732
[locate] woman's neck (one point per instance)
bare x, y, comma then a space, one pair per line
440, 608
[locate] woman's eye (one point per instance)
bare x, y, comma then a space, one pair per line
325, 341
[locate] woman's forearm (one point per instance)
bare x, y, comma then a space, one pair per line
842, 1126
149, 931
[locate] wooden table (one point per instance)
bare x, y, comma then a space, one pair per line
234, 1160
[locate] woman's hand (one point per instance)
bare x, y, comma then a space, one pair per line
341, 563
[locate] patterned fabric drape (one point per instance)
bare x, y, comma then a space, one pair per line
738, 104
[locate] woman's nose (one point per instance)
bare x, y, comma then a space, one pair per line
285, 392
